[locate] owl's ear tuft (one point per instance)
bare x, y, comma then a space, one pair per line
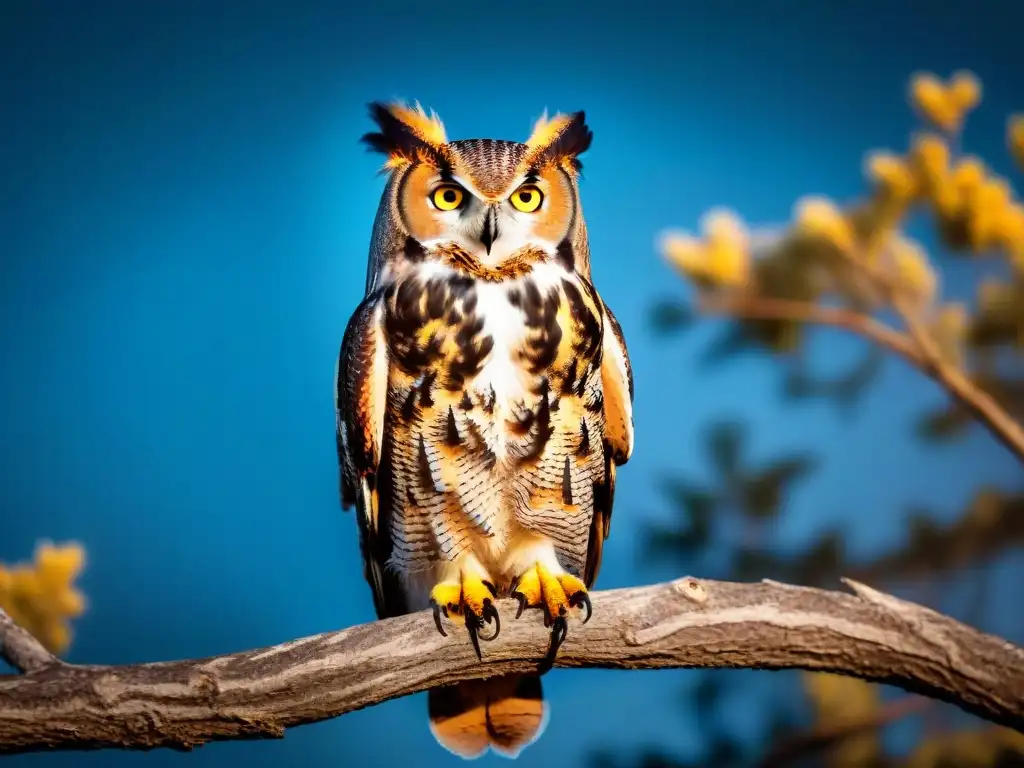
561, 139
406, 133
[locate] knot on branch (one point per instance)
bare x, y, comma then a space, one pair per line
691, 589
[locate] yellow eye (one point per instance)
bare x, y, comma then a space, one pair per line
527, 198
448, 197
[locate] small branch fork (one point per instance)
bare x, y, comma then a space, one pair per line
916, 347
20, 649
685, 623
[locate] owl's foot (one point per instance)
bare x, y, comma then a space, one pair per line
556, 593
472, 598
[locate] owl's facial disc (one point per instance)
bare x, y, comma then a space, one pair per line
535, 211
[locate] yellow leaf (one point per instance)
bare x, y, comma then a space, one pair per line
964, 91
724, 227
1009, 232
728, 266
990, 205
995, 194
684, 251
59, 566
932, 99
968, 176
706, 263
821, 217
41, 597
930, 155
25, 583
892, 173
1012, 222
721, 258
947, 198
913, 269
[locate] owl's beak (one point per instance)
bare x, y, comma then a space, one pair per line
490, 231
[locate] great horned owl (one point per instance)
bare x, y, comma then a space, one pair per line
484, 399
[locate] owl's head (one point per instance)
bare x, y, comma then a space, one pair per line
496, 200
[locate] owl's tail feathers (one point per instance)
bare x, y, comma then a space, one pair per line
504, 713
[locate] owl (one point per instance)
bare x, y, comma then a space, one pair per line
484, 400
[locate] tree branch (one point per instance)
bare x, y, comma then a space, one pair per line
918, 350
20, 649
748, 306
974, 399
937, 367
686, 623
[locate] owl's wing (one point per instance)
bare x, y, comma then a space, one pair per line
360, 405
617, 389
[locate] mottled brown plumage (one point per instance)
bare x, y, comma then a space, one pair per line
484, 398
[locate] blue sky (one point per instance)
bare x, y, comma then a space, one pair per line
186, 213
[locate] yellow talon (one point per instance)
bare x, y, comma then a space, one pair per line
574, 588
555, 601
538, 587
476, 594
448, 595
471, 598
527, 590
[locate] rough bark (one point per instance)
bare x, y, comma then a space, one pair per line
685, 623
20, 649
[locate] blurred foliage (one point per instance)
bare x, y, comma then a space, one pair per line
772, 287
845, 701
858, 257
974, 748
41, 596
741, 500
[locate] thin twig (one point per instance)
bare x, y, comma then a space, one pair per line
20, 649
754, 307
976, 400
685, 623
917, 351
937, 367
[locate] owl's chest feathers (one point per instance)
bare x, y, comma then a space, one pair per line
494, 413
490, 351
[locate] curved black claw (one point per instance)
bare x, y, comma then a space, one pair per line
582, 598
473, 626
522, 603
475, 622
559, 630
437, 618
490, 612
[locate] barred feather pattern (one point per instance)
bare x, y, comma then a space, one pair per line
494, 415
490, 163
